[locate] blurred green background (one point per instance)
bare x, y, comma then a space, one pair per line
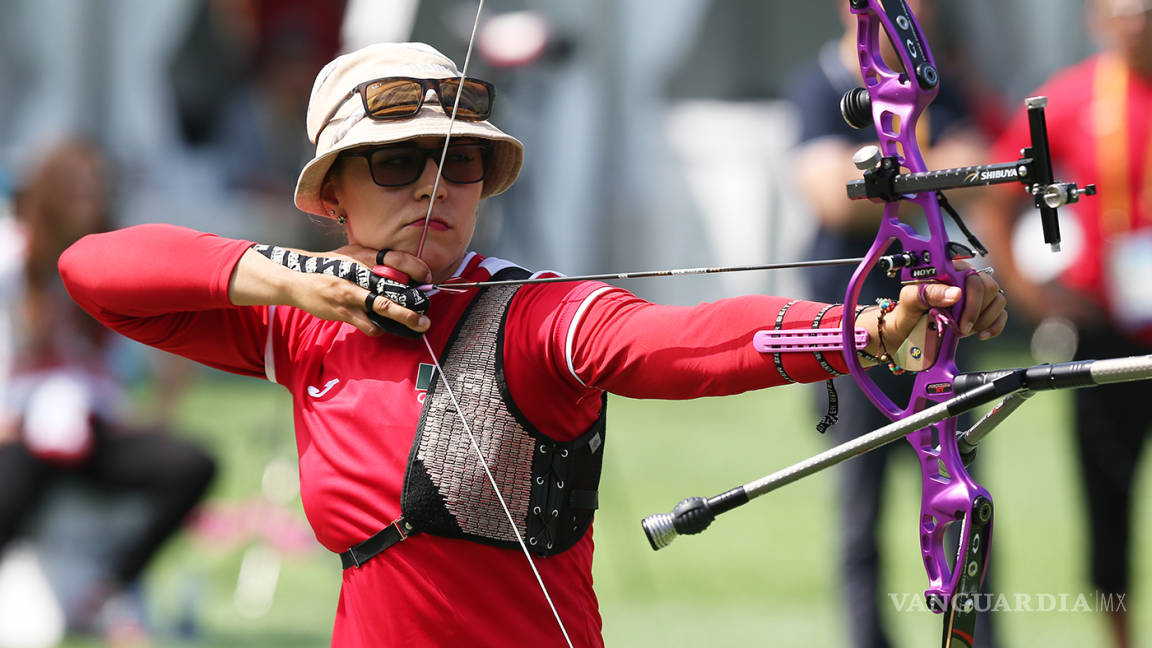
765, 574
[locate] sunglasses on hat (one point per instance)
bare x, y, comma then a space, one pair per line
402, 164
403, 97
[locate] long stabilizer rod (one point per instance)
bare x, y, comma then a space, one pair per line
694, 514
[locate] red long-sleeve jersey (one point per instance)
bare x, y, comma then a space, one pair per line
357, 400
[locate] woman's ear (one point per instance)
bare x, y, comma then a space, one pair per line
329, 197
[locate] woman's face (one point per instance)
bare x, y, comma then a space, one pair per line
381, 217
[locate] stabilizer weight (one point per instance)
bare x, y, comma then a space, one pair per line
690, 516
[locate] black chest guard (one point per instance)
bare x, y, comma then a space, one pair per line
550, 487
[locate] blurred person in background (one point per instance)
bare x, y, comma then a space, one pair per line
1100, 128
847, 228
63, 413
240, 77
260, 132
389, 479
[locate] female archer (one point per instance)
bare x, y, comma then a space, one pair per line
433, 452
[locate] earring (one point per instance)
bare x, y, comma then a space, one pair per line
341, 219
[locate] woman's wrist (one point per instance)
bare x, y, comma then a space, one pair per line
867, 319
259, 281
881, 341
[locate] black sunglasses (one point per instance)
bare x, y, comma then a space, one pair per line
397, 165
403, 97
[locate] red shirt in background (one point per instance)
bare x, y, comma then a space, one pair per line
1097, 138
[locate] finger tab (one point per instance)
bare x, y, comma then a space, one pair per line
390, 273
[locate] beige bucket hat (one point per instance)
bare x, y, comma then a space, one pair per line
350, 127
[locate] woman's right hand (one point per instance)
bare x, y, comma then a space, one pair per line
409, 264
335, 299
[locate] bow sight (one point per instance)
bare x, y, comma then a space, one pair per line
884, 182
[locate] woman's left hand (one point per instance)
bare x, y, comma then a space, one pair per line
983, 314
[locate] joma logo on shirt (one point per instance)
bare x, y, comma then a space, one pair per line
316, 392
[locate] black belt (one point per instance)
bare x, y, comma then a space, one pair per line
365, 551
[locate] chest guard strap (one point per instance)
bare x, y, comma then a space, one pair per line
550, 486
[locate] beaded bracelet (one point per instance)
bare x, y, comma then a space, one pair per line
868, 356
886, 306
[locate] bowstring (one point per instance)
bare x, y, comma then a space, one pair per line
499, 495
432, 353
451, 123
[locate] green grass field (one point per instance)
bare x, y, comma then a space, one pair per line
763, 575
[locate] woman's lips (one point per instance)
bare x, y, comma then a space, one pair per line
434, 224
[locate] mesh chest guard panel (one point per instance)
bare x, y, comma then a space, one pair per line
550, 487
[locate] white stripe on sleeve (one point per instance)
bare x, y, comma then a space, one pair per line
575, 323
269, 358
